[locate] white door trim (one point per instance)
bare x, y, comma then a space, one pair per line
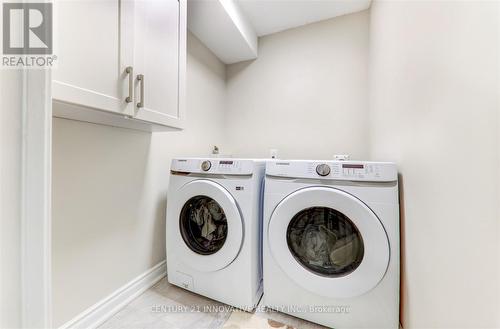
36, 199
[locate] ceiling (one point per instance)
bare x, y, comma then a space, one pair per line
231, 28
270, 16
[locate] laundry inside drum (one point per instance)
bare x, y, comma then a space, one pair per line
325, 241
203, 225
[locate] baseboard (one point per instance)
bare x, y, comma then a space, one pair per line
103, 310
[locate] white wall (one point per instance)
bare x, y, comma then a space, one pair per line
306, 93
109, 191
434, 111
10, 196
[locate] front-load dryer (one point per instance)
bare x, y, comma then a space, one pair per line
331, 242
213, 228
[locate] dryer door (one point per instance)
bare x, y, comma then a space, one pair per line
328, 242
210, 228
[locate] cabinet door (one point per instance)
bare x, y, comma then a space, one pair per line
160, 46
93, 46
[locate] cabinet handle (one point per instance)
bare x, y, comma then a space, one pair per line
130, 71
140, 77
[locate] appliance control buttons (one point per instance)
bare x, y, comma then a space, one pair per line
323, 169
206, 165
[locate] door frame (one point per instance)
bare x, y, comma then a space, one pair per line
36, 163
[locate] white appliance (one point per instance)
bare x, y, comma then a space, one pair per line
331, 242
214, 220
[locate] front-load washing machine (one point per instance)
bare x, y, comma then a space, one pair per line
331, 242
213, 228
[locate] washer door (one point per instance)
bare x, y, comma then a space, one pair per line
328, 242
210, 227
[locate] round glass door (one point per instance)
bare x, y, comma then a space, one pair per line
325, 241
203, 225
328, 242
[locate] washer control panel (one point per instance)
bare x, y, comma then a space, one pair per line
337, 170
228, 165
213, 166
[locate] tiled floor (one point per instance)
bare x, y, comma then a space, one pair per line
165, 306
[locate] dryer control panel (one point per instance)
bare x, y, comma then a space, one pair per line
215, 166
335, 170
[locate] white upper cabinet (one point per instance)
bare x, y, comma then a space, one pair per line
91, 65
156, 57
121, 57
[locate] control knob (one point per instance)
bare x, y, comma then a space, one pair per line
206, 165
323, 169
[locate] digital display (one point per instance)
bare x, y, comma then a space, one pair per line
225, 162
353, 166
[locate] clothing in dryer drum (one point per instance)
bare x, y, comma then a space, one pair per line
325, 241
203, 225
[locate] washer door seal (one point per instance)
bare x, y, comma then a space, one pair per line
228, 251
371, 265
